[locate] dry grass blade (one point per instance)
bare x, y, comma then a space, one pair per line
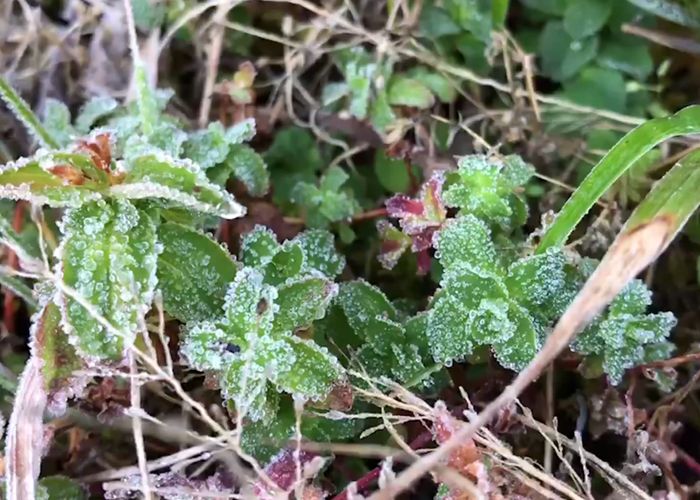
25, 435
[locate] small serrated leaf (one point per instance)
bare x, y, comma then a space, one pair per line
94, 110
320, 254
194, 272
466, 239
249, 167
313, 373
302, 302
258, 247
180, 182
108, 256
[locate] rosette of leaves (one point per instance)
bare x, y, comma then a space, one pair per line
624, 335
483, 301
257, 345
326, 202
487, 187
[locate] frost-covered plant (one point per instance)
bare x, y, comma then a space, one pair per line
256, 343
493, 291
124, 175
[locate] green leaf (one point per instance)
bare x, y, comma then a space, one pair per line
57, 121
59, 488
248, 167
313, 372
536, 280
584, 18
410, 92
436, 22
447, 332
466, 239
258, 247
26, 179
194, 272
207, 147
320, 254
381, 114
598, 88
562, 56
250, 307
179, 182
438, 84
552, 7
94, 110
24, 113
302, 302
108, 256
18, 287
516, 352
391, 172
245, 384
630, 57
286, 264
499, 12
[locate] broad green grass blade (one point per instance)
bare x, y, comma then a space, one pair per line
615, 163
26, 115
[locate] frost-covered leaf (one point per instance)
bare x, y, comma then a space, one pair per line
194, 272
19, 287
245, 384
302, 302
258, 247
313, 372
205, 346
286, 264
250, 307
538, 279
24, 113
466, 239
418, 217
207, 147
27, 179
483, 186
93, 111
320, 254
248, 167
619, 338
108, 256
516, 352
57, 121
393, 244
179, 182
447, 331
